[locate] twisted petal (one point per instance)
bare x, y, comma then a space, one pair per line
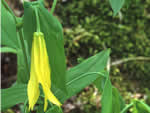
53, 99
50, 96
45, 103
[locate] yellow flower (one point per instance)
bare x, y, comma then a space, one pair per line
40, 73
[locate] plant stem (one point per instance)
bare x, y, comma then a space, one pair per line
24, 50
127, 107
37, 20
130, 59
53, 6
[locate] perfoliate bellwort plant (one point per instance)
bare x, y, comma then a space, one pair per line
40, 71
37, 40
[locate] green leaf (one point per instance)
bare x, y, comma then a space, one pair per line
100, 83
141, 107
110, 95
111, 101
9, 35
116, 5
117, 101
12, 96
84, 74
11, 41
22, 70
53, 35
107, 96
7, 50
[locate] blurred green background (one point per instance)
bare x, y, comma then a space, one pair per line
89, 27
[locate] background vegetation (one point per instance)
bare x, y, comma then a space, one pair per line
89, 27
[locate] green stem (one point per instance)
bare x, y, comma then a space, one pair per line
25, 106
24, 50
127, 107
53, 6
37, 20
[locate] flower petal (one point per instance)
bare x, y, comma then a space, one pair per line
45, 103
53, 99
33, 86
33, 93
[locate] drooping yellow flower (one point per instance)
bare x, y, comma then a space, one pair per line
40, 73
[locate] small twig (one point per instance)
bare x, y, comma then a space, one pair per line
130, 59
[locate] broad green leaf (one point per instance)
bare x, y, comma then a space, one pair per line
116, 5
7, 50
12, 96
9, 35
54, 40
84, 74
